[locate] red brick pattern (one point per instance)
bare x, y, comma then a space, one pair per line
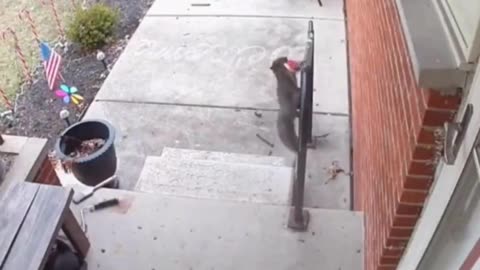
46, 174
393, 125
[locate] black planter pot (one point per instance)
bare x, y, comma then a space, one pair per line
94, 168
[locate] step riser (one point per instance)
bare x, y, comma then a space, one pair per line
208, 179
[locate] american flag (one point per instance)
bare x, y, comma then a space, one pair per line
51, 63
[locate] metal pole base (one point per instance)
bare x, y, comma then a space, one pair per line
298, 225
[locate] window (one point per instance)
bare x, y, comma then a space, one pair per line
443, 39
457, 233
464, 18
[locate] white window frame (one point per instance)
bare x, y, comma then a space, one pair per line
441, 59
442, 190
469, 51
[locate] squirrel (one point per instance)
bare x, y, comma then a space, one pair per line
288, 94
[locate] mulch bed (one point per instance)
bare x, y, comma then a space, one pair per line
37, 112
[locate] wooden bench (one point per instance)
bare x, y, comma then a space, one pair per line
31, 216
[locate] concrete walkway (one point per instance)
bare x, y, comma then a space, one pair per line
196, 76
177, 233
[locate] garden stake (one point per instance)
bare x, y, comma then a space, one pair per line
20, 55
51, 4
64, 114
6, 100
26, 16
101, 58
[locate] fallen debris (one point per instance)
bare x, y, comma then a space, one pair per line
333, 171
101, 205
87, 147
265, 140
321, 136
200, 4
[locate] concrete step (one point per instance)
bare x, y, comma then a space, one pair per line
209, 179
331, 9
177, 233
179, 153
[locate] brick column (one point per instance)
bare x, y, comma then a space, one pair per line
395, 130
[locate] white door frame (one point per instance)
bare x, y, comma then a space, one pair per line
446, 180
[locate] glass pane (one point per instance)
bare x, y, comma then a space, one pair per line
467, 17
459, 229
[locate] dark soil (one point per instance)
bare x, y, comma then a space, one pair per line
37, 112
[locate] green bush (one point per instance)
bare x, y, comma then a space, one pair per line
93, 27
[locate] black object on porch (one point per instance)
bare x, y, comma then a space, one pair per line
93, 168
299, 217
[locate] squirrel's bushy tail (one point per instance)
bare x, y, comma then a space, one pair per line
286, 131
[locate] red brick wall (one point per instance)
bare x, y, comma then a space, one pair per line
46, 174
393, 124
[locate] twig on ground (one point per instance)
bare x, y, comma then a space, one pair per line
265, 140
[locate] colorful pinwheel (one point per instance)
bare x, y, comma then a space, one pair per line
67, 94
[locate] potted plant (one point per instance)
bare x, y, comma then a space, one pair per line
87, 150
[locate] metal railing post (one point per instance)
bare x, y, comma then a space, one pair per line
310, 58
299, 217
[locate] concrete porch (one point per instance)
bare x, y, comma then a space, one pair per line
165, 232
196, 77
191, 81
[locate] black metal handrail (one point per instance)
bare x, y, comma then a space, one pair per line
299, 217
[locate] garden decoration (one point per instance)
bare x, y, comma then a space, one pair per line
64, 115
51, 63
19, 52
51, 4
7, 102
26, 16
101, 57
68, 94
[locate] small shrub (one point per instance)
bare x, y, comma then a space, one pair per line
93, 27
